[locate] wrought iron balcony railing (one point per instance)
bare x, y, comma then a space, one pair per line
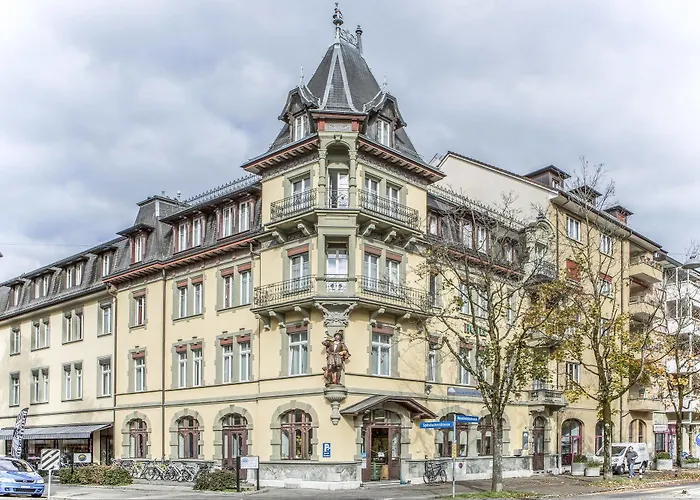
296, 204
284, 291
388, 208
395, 292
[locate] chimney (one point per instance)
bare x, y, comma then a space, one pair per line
619, 212
358, 32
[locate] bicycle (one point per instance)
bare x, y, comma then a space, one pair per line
434, 472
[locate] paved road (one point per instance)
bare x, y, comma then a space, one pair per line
689, 492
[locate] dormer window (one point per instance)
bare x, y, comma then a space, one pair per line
197, 232
45, 280
301, 127
74, 275
37, 288
384, 132
182, 236
106, 264
138, 248
15, 295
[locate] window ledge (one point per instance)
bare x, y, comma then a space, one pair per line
104, 396
71, 341
15, 353
185, 318
574, 240
71, 400
106, 334
233, 308
14, 405
40, 348
39, 403
137, 327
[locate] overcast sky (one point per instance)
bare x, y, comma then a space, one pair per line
103, 103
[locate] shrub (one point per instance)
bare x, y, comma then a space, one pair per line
116, 476
66, 476
95, 474
580, 459
691, 460
593, 463
217, 480
663, 455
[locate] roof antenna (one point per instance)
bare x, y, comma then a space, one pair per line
338, 21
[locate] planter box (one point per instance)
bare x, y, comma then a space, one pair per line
578, 469
692, 465
592, 471
664, 464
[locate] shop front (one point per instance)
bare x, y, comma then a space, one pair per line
88, 443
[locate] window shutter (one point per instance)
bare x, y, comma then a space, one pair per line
373, 250
572, 271
245, 267
228, 341
297, 250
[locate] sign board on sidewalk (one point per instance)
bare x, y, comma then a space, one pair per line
50, 459
326, 450
468, 419
437, 424
250, 463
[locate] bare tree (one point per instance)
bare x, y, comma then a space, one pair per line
483, 264
610, 348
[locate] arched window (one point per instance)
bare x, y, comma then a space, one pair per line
188, 438
484, 436
571, 433
234, 435
638, 431
138, 438
446, 438
297, 434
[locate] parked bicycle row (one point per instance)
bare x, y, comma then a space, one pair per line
159, 470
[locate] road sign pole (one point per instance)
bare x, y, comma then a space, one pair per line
48, 494
454, 454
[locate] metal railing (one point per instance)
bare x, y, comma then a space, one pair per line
388, 208
284, 291
296, 204
395, 292
645, 259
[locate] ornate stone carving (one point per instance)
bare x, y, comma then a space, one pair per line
335, 314
338, 127
391, 169
285, 167
335, 394
336, 355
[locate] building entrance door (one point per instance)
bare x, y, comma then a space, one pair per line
381, 436
538, 444
234, 438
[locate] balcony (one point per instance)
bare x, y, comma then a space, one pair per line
369, 203
645, 269
393, 296
540, 272
641, 400
544, 397
642, 306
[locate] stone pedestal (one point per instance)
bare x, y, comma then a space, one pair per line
335, 394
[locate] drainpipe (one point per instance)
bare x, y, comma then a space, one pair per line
556, 246
113, 294
162, 377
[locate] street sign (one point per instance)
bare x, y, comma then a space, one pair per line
436, 425
326, 453
469, 419
50, 459
697, 439
463, 391
660, 428
251, 462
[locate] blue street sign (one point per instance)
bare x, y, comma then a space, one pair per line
469, 419
436, 425
697, 439
326, 447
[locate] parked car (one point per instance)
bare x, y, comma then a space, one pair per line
19, 478
619, 464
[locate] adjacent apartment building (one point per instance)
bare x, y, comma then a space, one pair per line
197, 333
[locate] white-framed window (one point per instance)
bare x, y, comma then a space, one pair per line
393, 276
79, 325
138, 246
432, 224
78, 274
606, 244
299, 271
106, 318
44, 385
511, 309
197, 232
45, 333
197, 366
227, 368
68, 325
393, 194
606, 287
372, 185
16, 340
45, 280
78, 381
36, 335
245, 287
384, 132
14, 389
482, 238
229, 283
182, 301
465, 356
337, 267
244, 366
298, 353
482, 303
466, 300
244, 216
67, 382
197, 291
36, 284
227, 221
182, 236
381, 354
140, 374
573, 228
105, 377
467, 231
15, 294
36, 387
106, 263
301, 127
140, 310
182, 369
573, 375
431, 375
371, 269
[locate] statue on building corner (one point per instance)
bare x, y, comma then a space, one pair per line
336, 355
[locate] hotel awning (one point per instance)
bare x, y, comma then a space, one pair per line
56, 432
416, 409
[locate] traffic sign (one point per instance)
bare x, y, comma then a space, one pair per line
697, 439
437, 424
469, 419
326, 450
50, 459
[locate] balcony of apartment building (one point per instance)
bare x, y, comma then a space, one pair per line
382, 213
643, 305
642, 399
374, 293
645, 269
543, 396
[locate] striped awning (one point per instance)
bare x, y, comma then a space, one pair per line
56, 432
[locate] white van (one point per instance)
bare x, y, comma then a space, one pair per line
619, 464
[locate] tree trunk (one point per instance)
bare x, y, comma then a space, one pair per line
679, 429
607, 434
497, 472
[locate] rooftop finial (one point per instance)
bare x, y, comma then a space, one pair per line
358, 33
301, 77
337, 16
384, 85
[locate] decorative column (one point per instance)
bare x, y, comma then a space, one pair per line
335, 318
322, 173
353, 179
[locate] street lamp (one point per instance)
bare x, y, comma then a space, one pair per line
692, 263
